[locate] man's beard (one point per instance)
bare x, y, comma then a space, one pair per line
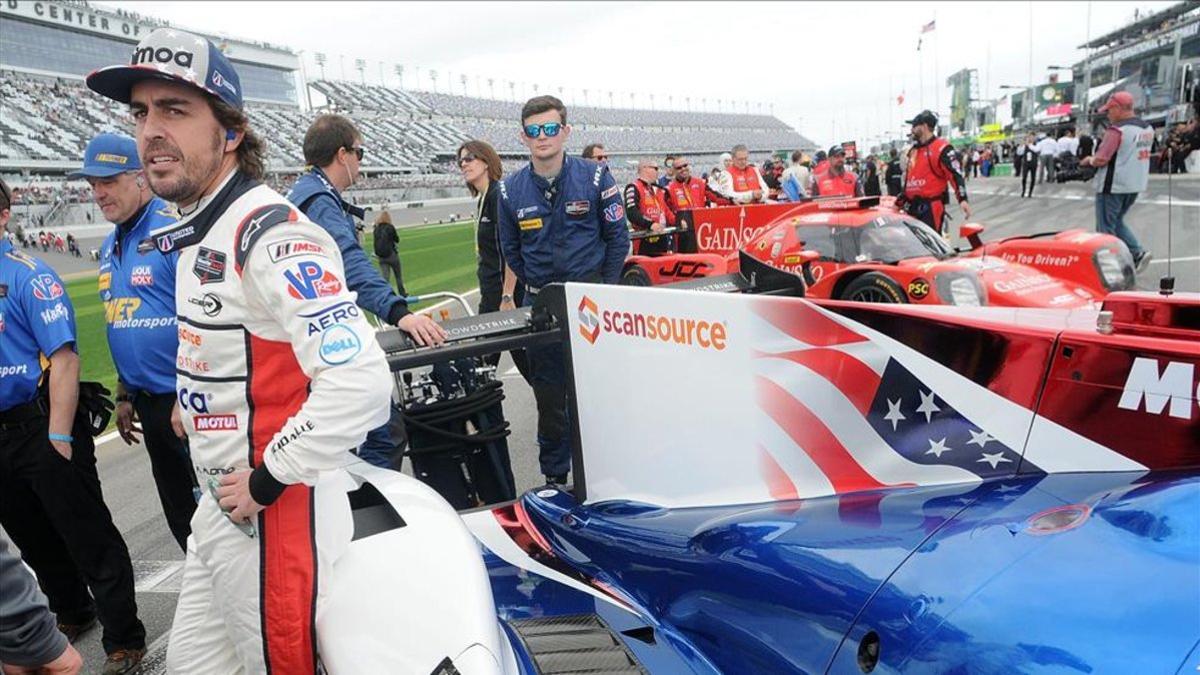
195, 175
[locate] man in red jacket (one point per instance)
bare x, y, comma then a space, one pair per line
688, 192
646, 209
835, 180
932, 166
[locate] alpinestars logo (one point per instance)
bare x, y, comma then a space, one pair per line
589, 320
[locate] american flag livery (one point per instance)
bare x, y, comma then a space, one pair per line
858, 416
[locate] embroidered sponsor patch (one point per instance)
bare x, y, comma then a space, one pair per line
145, 246
290, 248
614, 213
141, 275
530, 224
166, 242
210, 266
215, 422
104, 281
46, 287
309, 281
918, 288
610, 192
521, 213
578, 208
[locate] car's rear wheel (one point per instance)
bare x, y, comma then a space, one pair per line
635, 276
874, 287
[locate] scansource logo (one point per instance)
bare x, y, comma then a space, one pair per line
679, 330
589, 320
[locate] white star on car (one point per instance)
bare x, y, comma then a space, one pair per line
994, 458
172, 34
980, 438
927, 405
937, 448
893, 414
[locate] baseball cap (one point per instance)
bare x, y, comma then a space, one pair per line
1121, 99
926, 117
836, 150
169, 54
108, 155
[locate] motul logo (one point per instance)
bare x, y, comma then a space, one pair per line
215, 422
1176, 385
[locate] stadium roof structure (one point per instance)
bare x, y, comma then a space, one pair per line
1145, 24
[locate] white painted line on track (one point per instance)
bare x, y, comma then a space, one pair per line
1164, 261
1159, 201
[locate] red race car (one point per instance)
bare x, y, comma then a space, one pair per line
862, 249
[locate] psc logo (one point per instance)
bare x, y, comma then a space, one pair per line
918, 288
589, 320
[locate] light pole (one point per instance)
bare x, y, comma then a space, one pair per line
492, 87
361, 66
319, 57
400, 73
463, 80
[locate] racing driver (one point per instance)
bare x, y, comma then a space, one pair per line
282, 373
932, 166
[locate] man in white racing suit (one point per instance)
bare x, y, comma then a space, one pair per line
278, 374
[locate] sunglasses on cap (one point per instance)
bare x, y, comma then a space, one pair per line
551, 129
357, 150
466, 158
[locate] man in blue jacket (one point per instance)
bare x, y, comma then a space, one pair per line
333, 148
560, 219
137, 287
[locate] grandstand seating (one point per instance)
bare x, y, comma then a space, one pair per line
53, 119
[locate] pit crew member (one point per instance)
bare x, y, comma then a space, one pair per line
744, 181
280, 378
835, 180
932, 167
50, 498
137, 287
333, 147
646, 208
561, 219
688, 192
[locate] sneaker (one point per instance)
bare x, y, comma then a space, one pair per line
74, 630
1141, 262
123, 661
559, 480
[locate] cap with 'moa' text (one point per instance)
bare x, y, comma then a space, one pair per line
175, 55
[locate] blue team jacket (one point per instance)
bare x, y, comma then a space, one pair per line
320, 201
36, 320
137, 286
571, 230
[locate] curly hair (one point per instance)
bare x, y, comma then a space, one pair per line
252, 151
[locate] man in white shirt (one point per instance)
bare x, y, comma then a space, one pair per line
1047, 149
1068, 143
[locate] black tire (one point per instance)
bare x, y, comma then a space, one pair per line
635, 276
875, 287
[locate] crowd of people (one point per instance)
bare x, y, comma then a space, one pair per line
203, 249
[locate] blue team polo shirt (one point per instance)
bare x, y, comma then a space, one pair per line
137, 285
36, 320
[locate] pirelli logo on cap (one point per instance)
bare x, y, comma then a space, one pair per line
530, 224
109, 157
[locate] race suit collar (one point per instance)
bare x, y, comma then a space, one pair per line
130, 223
931, 139
192, 228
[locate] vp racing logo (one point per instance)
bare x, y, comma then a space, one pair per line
589, 320
654, 327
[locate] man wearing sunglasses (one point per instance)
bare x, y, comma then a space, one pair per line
595, 152
333, 149
646, 209
561, 219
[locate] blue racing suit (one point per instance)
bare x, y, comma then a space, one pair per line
320, 201
36, 319
571, 229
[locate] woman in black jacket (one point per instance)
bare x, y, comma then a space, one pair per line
871, 178
499, 289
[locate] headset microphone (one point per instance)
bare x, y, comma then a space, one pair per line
230, 134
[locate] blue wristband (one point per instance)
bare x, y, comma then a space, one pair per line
61, 437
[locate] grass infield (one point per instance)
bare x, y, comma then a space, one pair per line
433, 258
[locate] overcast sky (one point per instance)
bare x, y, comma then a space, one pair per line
832, 70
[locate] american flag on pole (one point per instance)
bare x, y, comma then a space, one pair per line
928, 28
848, 417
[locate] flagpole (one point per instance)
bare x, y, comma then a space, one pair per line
937, 83
921, 73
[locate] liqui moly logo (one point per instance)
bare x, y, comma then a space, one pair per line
1173, 390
